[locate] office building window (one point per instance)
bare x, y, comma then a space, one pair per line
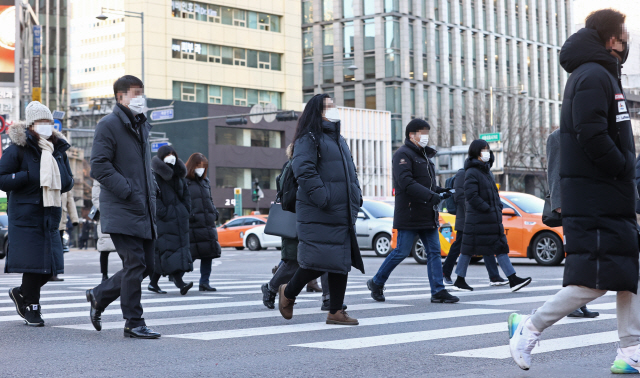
369, 39
307, 74
370, 96
412, 96
368, 7
204, 52
225, 15
245, 177
307, 11
307, 43
391, 6
347, 8
392, 46
349, 97
215, 94
327, 40
327, 10
425, 98
348, 49
232, 136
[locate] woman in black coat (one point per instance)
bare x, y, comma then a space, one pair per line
328, 201
34, 171
173, 205
483, 230
203, 234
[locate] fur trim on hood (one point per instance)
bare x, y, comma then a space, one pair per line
18, 134
164, 170
289, 151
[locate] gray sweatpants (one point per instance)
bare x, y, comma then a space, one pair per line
572, 297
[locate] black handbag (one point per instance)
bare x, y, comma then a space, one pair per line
550, 217
281, 223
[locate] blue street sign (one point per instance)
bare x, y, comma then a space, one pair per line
57, 124
156, 146
164, 114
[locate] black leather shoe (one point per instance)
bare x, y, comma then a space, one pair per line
185, 289
206, 287
156, 289
94, 314
142, 332
588, 313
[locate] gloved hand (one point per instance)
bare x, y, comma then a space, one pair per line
445, 195
443, 190
435, 200
74, 224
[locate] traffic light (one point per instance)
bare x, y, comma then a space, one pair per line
287, 116
256, 192
236, 121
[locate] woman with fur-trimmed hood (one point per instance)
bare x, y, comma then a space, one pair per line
173, 205
34, 171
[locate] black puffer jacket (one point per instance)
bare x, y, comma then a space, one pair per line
173, 205
414, 179
483, 230
458, 197
597, 172
328, 201
203, 234
638, 183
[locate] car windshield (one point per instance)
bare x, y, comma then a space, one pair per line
378, 209
526, 202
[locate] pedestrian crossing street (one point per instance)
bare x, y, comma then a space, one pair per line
236, 311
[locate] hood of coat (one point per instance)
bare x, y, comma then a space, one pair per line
430, 152
475, 163
289, 151
165, 171
585, 46
18, 134
330, 128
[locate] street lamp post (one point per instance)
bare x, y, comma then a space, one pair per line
102, 16
349, 62
492, 90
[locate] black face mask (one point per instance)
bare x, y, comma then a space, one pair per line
624, 54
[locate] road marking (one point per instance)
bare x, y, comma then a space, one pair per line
231, 317
551, 345
509, 301
436, 334
322, 326
201, 306
476, 292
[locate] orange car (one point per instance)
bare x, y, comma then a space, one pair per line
231, 233
526, 234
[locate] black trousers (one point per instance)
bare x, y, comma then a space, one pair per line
31, 284
337, 286
177, 279
137, 263
104, 262
452, 257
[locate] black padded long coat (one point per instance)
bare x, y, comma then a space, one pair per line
328, 201
203, 235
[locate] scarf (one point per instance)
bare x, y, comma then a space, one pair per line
49, 175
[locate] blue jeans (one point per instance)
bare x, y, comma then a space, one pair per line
454, 253
503, 260
205, 271
431, 241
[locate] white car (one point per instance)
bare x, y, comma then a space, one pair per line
255, 239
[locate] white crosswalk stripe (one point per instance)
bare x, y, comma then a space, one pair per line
236, 311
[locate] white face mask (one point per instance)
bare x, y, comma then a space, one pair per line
332, 114
199, 171
486, 155
170, 160
44, 130
424, 140
137, 105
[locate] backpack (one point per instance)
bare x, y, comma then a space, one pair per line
450, 203
287, 184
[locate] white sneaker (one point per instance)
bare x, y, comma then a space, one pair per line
521, 340
626, 364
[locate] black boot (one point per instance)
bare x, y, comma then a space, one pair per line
377, 292
185, 288
206, 287
589, 314
268, 297
518, 283
461, 284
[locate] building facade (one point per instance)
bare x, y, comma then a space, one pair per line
467, 66
231, 52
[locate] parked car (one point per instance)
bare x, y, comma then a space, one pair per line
4, 235
255, 239
231, 234
526, 234
374, 227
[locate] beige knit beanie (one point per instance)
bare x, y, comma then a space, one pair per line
36, 111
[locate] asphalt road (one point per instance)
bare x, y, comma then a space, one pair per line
231, 334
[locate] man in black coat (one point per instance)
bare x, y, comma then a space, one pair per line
598, 191
121, 162
416, 211
489, 260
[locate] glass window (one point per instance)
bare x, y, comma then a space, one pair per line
307, 42
370, 67
392, 33
425, 95
307, 11
348, 47
252, 97
240, 97
201, 52
274, 23
307, 74
227, 55
201, 93
239, 57
327, 40
239, 18
392, 64
263, 21
177, 89
215, 94
347, 8
227, 96
275, 62
253, 20
369, 34
227, 16
252, 58
368, 7
378, 209
350, 98
394, 99
327, 10
413, 101
231, 178
175, 48
236, 222
264, 60
188, 92
370, 97
526, 202
392, 5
